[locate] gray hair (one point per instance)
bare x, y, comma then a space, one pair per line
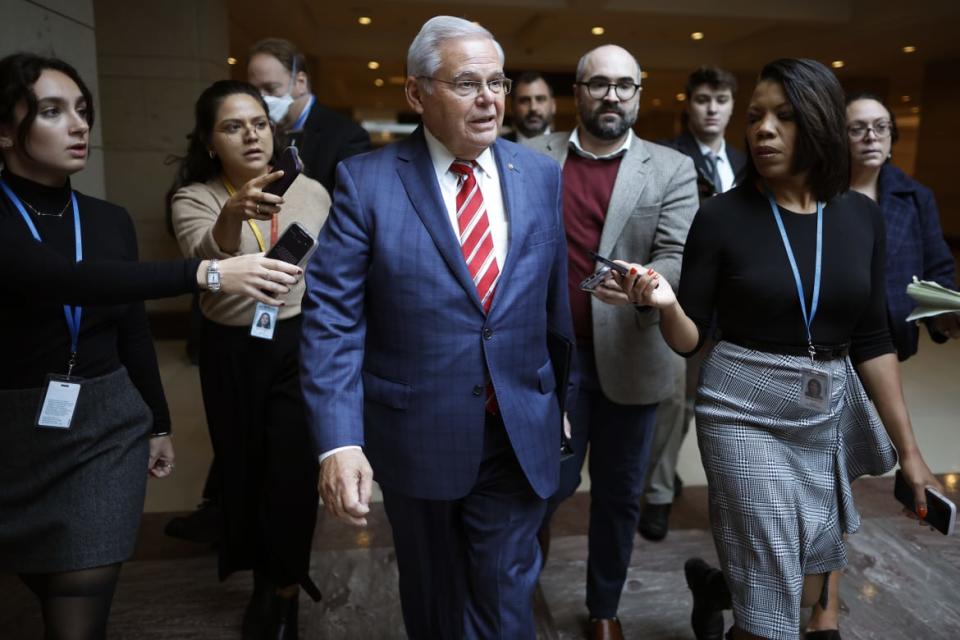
582, 65
423, 57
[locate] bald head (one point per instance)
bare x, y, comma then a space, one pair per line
608, 56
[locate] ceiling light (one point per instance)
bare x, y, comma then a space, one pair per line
904, 98
909, 49
597, 31
914, 109
644, 75
231, 61
378, 82
373, 65
838, 64
681, 97
397, 80
696, 35
656, 102
364, 20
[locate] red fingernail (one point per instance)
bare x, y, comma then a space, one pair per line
922, 512
649, 272
633, 271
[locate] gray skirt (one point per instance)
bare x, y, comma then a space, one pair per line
779, 477
72, 498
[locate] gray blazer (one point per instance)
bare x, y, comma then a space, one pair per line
653, 203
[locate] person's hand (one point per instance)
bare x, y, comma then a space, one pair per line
567, 429
255, 276
250, 201
947, 324
918, 477
645, 287
346, 482
160, 464
609, 292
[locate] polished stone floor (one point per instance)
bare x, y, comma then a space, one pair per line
902, 582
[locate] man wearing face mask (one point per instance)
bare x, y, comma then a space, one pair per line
623, 198
322, 136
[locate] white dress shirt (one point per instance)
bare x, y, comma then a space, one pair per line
619, 151
488, 180
723, 163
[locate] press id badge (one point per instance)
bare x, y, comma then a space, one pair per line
59, 402
815, 390
264, 321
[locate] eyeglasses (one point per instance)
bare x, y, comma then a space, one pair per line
469, 88
881, 129
598, 88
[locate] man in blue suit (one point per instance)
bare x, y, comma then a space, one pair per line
439, 271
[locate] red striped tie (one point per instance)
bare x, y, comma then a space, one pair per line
476, 241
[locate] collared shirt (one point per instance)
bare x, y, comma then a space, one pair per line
723, 163
578, 148
488, 180
522, 138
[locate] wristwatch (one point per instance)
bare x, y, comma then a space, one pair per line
213, 276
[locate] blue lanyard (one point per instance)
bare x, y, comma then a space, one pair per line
815, 301
73, 314
298, 125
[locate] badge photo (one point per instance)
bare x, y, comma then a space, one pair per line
815, 390
264, 321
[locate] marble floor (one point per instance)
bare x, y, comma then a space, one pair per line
901, 583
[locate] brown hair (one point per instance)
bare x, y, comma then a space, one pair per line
284, 51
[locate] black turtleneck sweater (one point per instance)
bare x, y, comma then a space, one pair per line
38, 278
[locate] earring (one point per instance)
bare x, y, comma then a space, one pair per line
212, 154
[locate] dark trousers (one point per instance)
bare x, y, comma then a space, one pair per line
468, 567
267, 470
619, 437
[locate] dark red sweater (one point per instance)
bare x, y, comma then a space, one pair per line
587, 186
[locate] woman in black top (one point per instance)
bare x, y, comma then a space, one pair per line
72, 483
783, 422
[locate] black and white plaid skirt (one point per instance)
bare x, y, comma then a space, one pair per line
779, 476
72, 498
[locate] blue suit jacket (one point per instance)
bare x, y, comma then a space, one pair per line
396, 348
915, 247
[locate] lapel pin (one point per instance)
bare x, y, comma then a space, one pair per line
510, 166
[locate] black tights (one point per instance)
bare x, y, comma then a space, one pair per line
75, 604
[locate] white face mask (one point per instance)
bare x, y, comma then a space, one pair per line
278, 106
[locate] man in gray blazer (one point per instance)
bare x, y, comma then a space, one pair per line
627, 199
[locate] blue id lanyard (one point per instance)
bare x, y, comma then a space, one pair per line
72, 314
302, 120
815, 301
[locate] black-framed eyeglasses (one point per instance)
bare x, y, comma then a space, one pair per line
466, 88
881, 129
598, 88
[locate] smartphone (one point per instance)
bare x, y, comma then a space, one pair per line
289, 162
293, 246
593, 281
619, 268
941, 512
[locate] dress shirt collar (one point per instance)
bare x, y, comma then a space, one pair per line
442, 158
521, 137
705, 149
580, 151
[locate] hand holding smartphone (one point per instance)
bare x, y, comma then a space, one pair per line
289, 162
941, 512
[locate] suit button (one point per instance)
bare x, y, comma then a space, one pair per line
477, 389
487, 334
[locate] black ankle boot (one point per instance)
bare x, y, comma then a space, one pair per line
283, 622
710, 597
827, 634
254, 614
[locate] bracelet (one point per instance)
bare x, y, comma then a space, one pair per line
160, 434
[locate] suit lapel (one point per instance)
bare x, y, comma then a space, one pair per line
415, 169
689, 146
518, 216
627, 189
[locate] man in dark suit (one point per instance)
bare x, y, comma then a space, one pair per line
424, 348
533, 107
322, 136
720, 167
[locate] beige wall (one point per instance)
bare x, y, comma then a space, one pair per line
65, 29
154, 59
